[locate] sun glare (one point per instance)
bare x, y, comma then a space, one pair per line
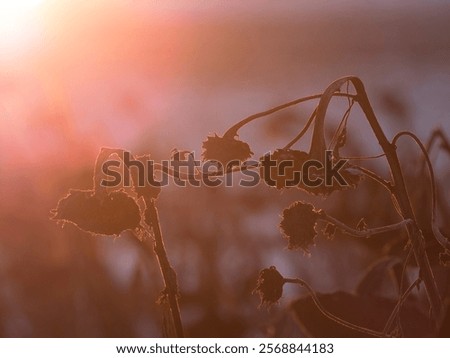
11, 10
24, 4
17, 22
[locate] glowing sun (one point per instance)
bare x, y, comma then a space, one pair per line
17, 19
14, 7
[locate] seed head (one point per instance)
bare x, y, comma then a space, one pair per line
225, 150
298, 225
269, 286
283, 164
101, 213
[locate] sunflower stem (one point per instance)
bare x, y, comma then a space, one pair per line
363, 233
167, 272
402, 199
232, 131
331, 316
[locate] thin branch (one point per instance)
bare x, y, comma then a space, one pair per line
368, 173
331, 316
199, 174
443, 241
402, 281
234, 129
399, 304
318, 145
363, 233
303, 131
403, 273
341, 126
438, 133
364, 157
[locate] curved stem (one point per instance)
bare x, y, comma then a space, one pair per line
403, 273
232, 132
443, 241
387, 185
331, 316
438, 133
302, 132
318, 146
399, 304
362, 233
342, 125
186, 176
365, 157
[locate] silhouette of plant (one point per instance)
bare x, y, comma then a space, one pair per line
109, 212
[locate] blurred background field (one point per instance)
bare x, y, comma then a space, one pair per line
151, 76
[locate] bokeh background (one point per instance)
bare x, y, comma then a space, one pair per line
150, 76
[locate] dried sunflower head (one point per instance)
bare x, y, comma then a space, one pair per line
225, 150
269, 286
103, 213
298, 225
282, 168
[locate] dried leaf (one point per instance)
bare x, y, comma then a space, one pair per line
103, 213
